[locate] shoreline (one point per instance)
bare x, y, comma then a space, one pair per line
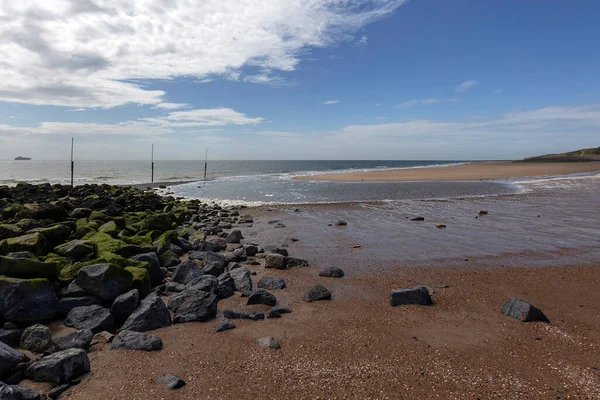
473, 171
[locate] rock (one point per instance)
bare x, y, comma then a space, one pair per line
66, 304
9, 358
418, 219
523, 311
169, 259
95, 318
174, 287
124, 305
60, 389
206, 283
341, 222
262, 297
440, 226
418, 295
72, 290
234, 236
268, 342
26, 301
214, 268
331, 272
281, 309
317, 293
9, 231
273, 314
241, 279
81, 213
152, 313
482, 212
275, 260
271, 283
100, 340
35, 243
79, 339
275, 249
186, 272
36, 338
251, 250
76, 249
224, 325
130, 340
11, 337
20, 267
156, 275
60, 367
105, 281
14, 392
141, 280
292, 262
172, 382
197, 306
243, 314
158, 222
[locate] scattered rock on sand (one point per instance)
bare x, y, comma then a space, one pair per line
186, 272
271, 283
440, 226
331, 272
482, 212
261, 296
95, 318
9, 358
13, 392
60, 389
317, 293
418, 295
130, 340
418, 219
66, 304
241, 279
124, 305
523, 311
152, 313
79, 339
105, 281
274, 260
36, 338
100, 340
243, 314
292, 262
234, 236
11, 337
197, 306
172, 382
224, 325
60, 367
341, 222
268, 342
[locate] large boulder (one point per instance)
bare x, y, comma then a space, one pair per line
36, 338
274, 260
186, 272
271, 283
80, 339
76, 249
39, 211
18, 267
156, 274
9, 231
55, 234
169, 259
131, 340
197, 306
95, 318
105, 281
11, 337
152, 313
234, 236
124, 305
26, 301
35, 243
262, 297
317, 293
9, 358
60, 367
14, 392
241, 278
141, 280
523, 311
158, 222
66, 304
418, 295
206, 283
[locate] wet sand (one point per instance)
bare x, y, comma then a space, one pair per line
464, 172
542, 246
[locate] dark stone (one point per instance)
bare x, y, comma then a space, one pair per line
172, 382
152, 313
214, 268
11, 337
275, 249
66, 304
273, 314
418, 219
9, 358
72, 290
241, 278
14, 392
271, 283
156, 274
26, 301
523, 311
105, 281
176, 249
79, 339
341, 222
60, 389
251, 250
95, 318
75, 249
124, 305
275, 260
262, 297
174, 287
130, 340
243, 314
317, 293
36, 338
418, 295
331, 272
268, 342
197, 306
186, 272
205, 283
234, 236
292, 262
224, 325
60, 367
282, 309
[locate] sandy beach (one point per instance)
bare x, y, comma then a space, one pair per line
475, 171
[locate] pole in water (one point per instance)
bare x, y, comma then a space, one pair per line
152, 161
205, 163
72, 162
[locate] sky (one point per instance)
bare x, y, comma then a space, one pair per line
298, 79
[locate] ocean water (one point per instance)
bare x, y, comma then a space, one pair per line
252, 182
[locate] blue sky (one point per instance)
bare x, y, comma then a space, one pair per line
313, 79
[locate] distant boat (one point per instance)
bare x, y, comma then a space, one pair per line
22, 158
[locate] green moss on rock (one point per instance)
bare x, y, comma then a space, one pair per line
28, 268
141, 280
35, 243
9, 231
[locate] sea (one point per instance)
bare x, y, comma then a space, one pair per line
254, 183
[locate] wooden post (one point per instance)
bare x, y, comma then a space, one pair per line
205, 163
72, 162
152, 160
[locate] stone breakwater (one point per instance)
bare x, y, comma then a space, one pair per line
112, 263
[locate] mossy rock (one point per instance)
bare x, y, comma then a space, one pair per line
28, 268
159, 221
110, 228
11, 210
24, 254
83, 231
185, 232
27, 301
35, 243
141, 280
39, 211
163, 243
27, 224
81, 213
140, 240
9, 231
98, 216
76, 249
69, 272
55, 234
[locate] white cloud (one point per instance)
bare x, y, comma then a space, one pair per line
88, 53
329, 102
277, 134
363, 40
498, 91
466, 85
426, 101
172, 106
